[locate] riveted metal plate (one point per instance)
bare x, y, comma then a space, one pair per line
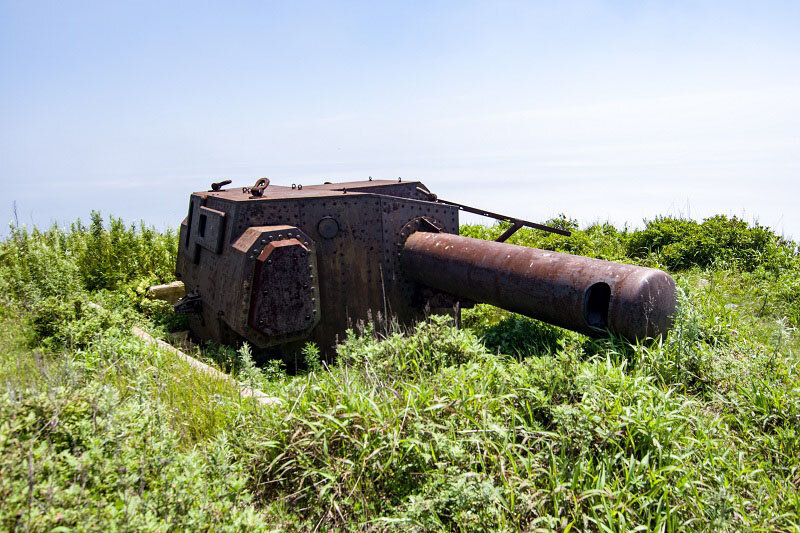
283, 297
280, 289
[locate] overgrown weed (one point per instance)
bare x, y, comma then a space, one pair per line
504, 424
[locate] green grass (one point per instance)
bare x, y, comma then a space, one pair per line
507, 424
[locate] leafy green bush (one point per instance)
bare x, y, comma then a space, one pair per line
602, 241
507, 424
86, 460
59, 262
681, 244
436, 344
35, 265
69, 323
110, 257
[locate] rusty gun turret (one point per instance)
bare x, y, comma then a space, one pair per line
280, 265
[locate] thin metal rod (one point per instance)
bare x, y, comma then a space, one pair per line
507, 218
496, 216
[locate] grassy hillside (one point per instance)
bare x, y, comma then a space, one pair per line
506, 424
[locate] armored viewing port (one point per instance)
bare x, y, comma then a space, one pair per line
277, 266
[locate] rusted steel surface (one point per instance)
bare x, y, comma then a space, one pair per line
352, 231
278, 266
579, 293
283, 280
220, 184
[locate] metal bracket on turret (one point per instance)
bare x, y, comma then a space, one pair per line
191, 304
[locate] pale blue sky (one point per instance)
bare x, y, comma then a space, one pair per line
601, 110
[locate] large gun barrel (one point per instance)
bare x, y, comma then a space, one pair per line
574, 292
